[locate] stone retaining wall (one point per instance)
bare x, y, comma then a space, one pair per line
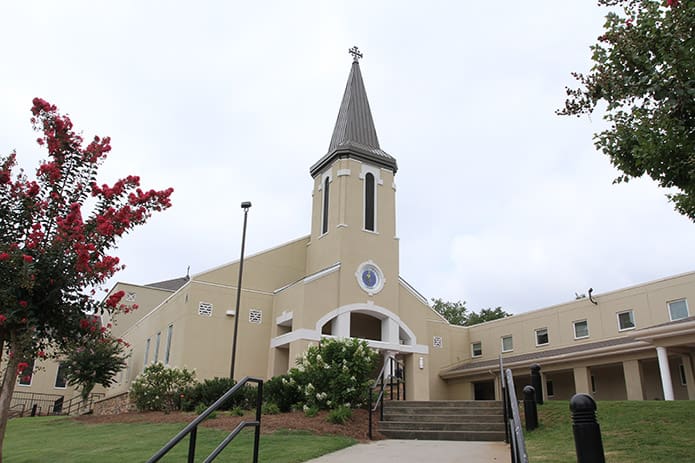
114, 405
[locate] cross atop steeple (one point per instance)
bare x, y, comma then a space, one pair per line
356, 53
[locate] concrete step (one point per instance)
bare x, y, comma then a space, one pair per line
467, 420
444, 418
444, 435
440, 426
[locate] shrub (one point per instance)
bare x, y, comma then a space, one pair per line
208, 391
311, 411
339, 415
335, 373
270, 408
283, 391
159, 388
238, 411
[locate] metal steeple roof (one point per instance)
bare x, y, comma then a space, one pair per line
354, 134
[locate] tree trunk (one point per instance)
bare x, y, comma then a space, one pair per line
9, 381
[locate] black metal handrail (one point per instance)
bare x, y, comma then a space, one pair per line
192, 427
517, 444
380, 382
53, 404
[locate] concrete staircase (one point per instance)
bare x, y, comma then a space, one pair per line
465, 420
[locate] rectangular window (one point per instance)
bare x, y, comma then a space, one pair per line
27, 374
324, 214
593, 384
369, 193
678, 310
681, 372
581, 329
167, 352
549, 388
61, 382
156, 346
542, 336
507, 344
626, 320
147, 351
477, 349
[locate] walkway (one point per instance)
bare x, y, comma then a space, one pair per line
416, 451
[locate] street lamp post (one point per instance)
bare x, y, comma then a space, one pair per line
246, 205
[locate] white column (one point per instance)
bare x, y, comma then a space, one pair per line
389, 331
665, 371
340, 326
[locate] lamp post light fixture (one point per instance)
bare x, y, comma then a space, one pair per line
246, 205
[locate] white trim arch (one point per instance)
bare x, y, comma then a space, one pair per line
392, 325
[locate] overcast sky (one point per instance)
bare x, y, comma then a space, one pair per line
500, 201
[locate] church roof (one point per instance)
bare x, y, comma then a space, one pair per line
170, 285
354, 134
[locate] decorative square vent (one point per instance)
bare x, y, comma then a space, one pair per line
255, 316
130, 297
205, 309
437, 342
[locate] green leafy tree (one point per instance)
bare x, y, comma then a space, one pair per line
57, 231
486, 315
644, 71
94, 358
456, 313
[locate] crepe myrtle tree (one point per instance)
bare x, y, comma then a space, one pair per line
93, 357
56, 233
643, 74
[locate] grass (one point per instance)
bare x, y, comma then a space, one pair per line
60, 439
632, 432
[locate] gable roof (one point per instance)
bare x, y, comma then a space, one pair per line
170, 285
354, 134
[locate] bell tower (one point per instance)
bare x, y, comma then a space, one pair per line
353, 209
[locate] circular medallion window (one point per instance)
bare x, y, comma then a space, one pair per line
370, 278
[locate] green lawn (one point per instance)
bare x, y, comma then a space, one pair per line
59, 439
632, 432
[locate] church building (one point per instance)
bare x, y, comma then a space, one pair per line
343, 280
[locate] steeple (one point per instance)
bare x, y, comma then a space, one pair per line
354, 134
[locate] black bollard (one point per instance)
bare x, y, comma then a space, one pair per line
530, 409
537, 383
587, 433
33, 409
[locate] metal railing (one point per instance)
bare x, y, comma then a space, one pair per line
396, 376
513, 432
39, 403
192, 428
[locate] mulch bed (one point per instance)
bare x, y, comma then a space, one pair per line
357, 427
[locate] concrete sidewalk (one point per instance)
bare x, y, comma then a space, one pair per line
416, 451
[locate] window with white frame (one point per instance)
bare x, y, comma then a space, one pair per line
167, 352
147, 351
325, 208
681, 373
507, 343
369, 201
626, 320
477, 349
542, 336
156, 346
60, 382
581, 329
678, 309
27, 373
